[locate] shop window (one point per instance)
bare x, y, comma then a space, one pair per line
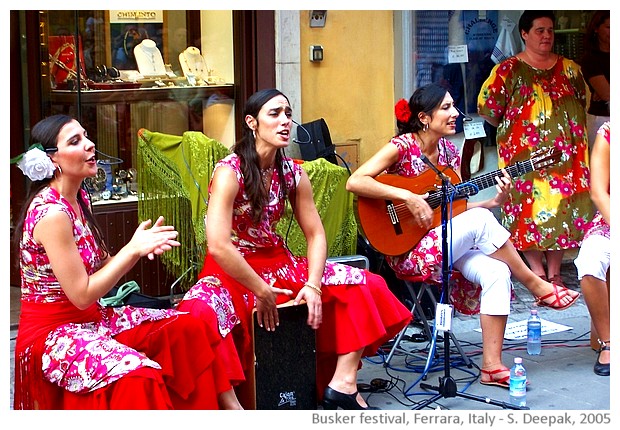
436, 33
119, 71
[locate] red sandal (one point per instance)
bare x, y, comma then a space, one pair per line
557, 279
559, 293
499, 382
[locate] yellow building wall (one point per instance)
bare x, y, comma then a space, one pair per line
353, 87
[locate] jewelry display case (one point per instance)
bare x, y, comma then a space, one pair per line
118, 72
113, 99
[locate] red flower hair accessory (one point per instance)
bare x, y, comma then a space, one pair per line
403, 114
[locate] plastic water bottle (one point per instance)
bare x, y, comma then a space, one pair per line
533, 333
518, 383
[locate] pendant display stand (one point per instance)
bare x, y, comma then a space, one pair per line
149, 59
194, 65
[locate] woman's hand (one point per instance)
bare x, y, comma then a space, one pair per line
312, 297
155, 240
504, 185
421, 210
266, 310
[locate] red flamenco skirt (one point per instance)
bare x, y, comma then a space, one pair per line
184, 348
356, 317
225, 349
189, 378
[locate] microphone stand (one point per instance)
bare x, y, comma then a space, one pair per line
447, 385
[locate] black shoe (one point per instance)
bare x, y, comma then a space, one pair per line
600, 368
333, 399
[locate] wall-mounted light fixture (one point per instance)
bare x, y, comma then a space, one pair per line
317, 18
316, 53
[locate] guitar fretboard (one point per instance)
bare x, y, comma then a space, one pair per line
474, 185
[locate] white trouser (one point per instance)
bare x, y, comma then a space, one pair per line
478, 228
594, 257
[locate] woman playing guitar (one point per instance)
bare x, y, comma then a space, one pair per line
479, 246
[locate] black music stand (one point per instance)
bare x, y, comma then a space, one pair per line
447, 385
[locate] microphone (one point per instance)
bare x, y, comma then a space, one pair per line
465, 117
110, 158
309, 140
435, 169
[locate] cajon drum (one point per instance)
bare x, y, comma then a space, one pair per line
359, 261
284, 363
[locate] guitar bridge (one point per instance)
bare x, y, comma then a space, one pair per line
391, 211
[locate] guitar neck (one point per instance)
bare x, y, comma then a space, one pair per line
488, 179
471, 187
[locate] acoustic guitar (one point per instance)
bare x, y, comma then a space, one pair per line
389, 225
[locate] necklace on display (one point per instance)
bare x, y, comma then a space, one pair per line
150, 54
198, 69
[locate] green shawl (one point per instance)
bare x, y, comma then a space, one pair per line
335, 206
173, 180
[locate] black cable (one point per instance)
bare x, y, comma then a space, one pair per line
307, 134
290, 221
465, 117
111, 159
402, 393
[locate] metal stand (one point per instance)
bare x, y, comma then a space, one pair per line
418, 312
447, 385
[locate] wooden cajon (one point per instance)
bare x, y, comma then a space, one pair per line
284, 373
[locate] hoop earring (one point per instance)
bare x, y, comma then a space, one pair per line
425, 127
58, 170
254, 134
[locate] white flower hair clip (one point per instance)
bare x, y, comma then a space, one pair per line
35, 163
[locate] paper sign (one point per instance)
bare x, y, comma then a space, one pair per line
457, 54
474, 129
443, 316
518, 330
123, 16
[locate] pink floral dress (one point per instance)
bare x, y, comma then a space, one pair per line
598, 226
249, 238
548, 209
424, 261
77, 356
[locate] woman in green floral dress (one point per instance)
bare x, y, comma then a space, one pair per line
537, 100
